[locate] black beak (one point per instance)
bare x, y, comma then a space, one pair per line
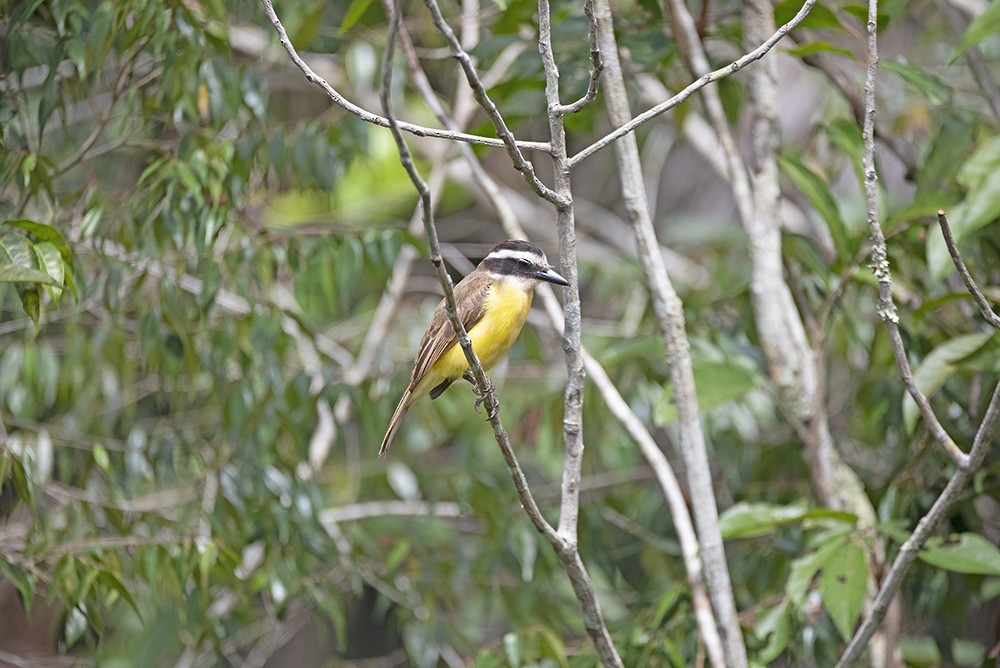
549, 275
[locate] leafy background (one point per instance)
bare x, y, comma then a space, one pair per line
194, 247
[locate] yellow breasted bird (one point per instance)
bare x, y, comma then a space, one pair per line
492, 303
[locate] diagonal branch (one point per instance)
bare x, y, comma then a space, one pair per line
375, 119
672, 492
970, 284
526, 169
969, 464
563, 541
596, 66
670, 316
695, 86
880, 256
520, 482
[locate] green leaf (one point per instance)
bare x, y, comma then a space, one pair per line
22, 580
775, 625
843, 586
951, 144
14, 273
817, 190
747, 520
50, 260
963, 553
819, 17
980, 176
805, 568
114, 583
811, 48
938, 367
715, 384
355, 11
16, 249
981, 27
929, 86
43, 232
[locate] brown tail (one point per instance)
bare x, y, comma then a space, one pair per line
397, 419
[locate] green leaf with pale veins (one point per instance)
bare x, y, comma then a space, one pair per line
51, 262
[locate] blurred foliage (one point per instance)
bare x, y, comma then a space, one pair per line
194, 243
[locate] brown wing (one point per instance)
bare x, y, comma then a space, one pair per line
470, 296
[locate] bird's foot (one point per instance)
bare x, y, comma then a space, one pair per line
483, 393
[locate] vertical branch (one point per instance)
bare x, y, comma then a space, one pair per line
573, 408
564, 541
566, 226
670, 315
880, 255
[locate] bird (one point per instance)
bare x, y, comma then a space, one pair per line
492, 303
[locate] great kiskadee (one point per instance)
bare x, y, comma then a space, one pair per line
492, 303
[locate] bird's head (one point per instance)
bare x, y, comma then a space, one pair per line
520, 260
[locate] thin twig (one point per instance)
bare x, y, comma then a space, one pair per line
521, 164
695, 86
375, 119
359, 511
880, 254
723, 641
596, 66
970, 284
569, 508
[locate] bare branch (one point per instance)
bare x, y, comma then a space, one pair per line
375, 119
526, 169
520, 482
360, 511
573, 403
880, 254
711, 77
670, 316
596, 66
970, 284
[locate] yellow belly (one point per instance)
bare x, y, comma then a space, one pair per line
506, 310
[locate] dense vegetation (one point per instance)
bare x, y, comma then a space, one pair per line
195, 378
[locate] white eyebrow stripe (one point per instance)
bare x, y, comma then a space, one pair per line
515, 255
